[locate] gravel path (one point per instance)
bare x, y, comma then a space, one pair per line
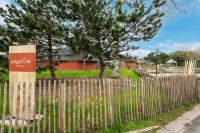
189, 122
194, 127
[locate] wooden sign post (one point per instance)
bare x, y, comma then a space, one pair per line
22, 70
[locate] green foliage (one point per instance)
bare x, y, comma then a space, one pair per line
35, 22
100, 28
103, 33
162, 58
181, 56
4, 76
4, 69
3, 63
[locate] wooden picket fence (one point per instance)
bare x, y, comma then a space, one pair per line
86, 105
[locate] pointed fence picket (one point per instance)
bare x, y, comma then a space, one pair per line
85, 105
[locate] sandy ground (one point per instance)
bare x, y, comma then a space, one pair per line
172, 74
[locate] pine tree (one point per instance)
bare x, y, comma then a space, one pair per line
105, 28
37, 22
101, 28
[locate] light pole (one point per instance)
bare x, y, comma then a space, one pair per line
157, 55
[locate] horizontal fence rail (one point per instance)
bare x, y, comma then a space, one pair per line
86, 105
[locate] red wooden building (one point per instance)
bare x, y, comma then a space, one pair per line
132, 64
73, 62
76, 65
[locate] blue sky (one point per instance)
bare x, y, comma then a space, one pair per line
180, 31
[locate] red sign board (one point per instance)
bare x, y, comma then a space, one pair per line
22, 62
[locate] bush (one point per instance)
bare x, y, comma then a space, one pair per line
4, 76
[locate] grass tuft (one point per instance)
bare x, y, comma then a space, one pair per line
161, 120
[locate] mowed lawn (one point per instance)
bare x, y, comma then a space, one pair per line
86, 74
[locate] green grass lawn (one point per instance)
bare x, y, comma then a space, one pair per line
160, 120
76, 74
128, 73
85, 74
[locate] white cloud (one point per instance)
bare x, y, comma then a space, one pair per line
169, 46
138, 52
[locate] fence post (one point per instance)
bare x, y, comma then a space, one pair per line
54, 106
97, 103
4, 107
88, 104
142, 97
74, 105
11, 90
128, 99
110, 102
100, 95
49, 106
17, 109
105, 109
131, 97
39, 108
44, 110
83, 105
198, 89
92, 100
79, 106
34, 106
61, 107
64, 105
125, 102
119, 100
137, 98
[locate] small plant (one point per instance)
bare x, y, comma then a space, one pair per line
3, 76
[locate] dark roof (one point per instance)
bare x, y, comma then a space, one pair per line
76, 57
171, 61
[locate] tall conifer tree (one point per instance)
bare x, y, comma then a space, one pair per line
104, 28
35, 22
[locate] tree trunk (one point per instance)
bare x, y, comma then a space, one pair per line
50, 58
102, 68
